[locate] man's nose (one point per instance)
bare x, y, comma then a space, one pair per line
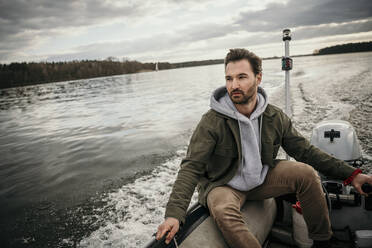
235, 83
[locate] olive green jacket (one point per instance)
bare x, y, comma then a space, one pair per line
214, 155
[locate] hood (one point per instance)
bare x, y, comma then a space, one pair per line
220, 101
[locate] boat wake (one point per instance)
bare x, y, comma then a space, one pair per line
133, 212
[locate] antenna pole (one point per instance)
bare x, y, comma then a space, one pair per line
287, 63
287, 66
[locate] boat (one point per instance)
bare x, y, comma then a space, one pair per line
277, 223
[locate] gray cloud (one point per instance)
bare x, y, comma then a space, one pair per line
44, 14
205, 31
309, 32
330, 29
126, 48
19, 15
304, 13
23, 23
159, 42
311, 18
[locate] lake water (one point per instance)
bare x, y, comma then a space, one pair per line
92, 162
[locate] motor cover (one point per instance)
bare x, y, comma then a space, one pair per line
337, 138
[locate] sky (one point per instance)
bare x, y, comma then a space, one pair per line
174, 30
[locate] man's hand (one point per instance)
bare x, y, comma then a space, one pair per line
359, 180
170, 224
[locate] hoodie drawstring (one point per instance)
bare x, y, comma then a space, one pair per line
241, 144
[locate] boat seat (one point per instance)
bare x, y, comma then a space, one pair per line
258, 215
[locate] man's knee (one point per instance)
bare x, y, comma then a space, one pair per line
222, 203
307, 174
307, 170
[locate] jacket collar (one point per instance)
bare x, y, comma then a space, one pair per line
269, 112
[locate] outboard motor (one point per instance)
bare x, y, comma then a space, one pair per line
338, 138
350, 212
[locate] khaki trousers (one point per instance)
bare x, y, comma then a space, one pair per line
287, 177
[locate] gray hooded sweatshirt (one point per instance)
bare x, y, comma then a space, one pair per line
251, 173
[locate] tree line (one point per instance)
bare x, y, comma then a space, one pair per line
345, 48
21, 74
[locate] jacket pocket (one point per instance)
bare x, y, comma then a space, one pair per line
226, 151
221, 162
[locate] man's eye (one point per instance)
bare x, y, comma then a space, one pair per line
228, 79
242, 76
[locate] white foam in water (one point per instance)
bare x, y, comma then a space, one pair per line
137, 209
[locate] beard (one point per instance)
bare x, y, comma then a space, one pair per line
245, 97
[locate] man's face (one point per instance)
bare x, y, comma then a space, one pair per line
241, 83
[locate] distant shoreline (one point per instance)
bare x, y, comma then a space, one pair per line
345, 48
26, 74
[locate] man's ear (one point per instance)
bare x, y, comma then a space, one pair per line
259, 78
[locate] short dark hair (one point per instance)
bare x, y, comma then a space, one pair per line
237, 54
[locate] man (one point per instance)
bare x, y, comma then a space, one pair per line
231, 158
